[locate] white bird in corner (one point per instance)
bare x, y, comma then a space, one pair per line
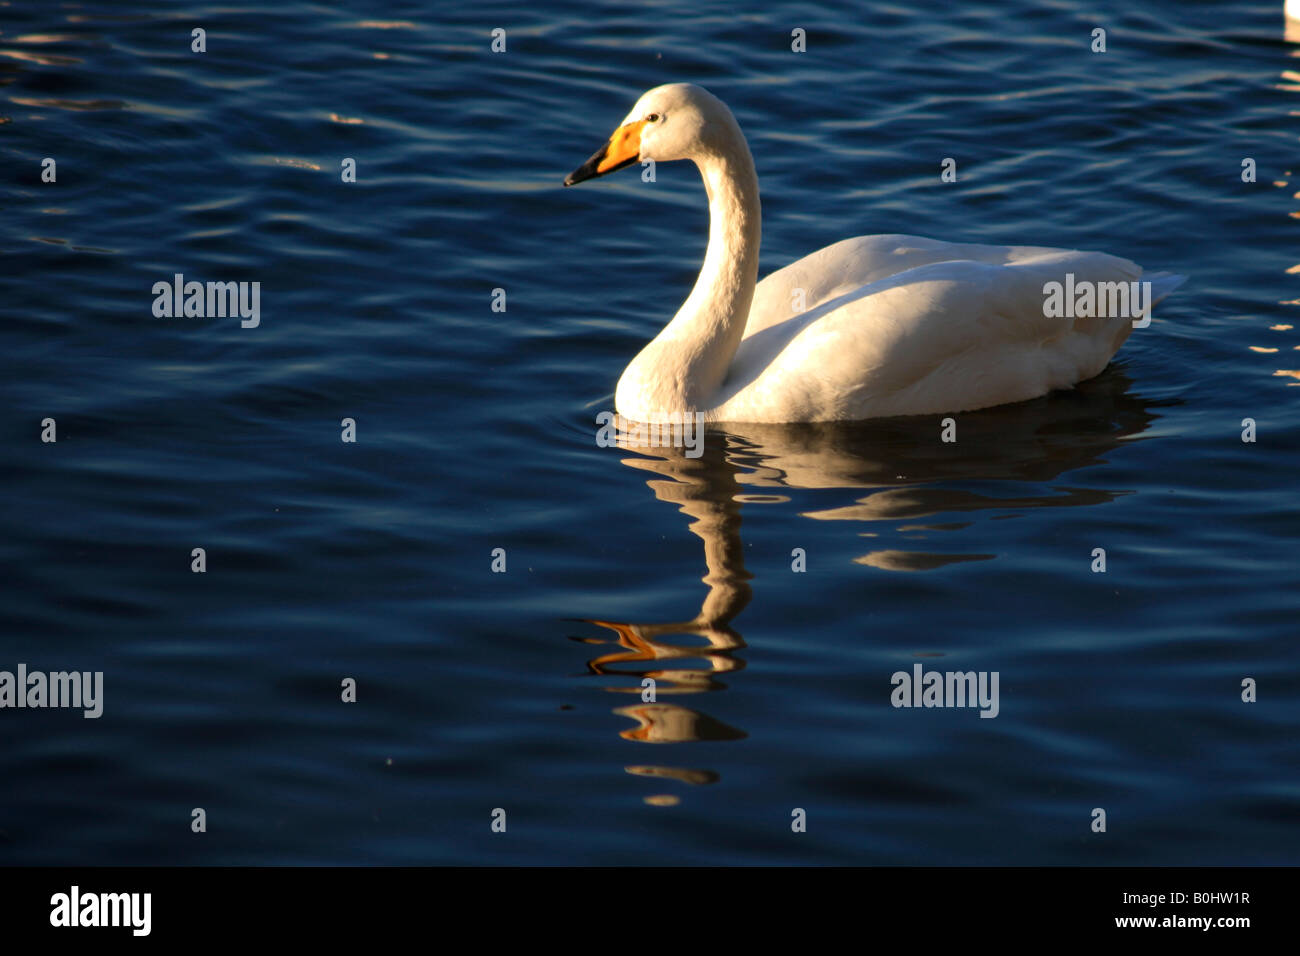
1293, 9
868, 327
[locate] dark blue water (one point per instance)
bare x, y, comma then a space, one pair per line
475, 431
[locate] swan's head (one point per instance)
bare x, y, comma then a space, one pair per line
676, 121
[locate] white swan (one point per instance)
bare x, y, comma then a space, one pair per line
890, 325
1293, 9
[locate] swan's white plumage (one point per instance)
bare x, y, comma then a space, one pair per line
890, 325
903, 325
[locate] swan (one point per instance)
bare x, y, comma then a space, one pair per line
1293, 9
869, 327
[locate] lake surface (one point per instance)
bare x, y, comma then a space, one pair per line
475, 430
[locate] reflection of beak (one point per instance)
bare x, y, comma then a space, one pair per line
622, 150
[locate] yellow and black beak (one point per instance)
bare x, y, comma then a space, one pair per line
622, 150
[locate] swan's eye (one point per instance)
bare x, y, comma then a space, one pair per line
652, 118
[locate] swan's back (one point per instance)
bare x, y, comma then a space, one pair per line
850, 264
901, 325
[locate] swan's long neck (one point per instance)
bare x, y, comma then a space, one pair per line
685, 365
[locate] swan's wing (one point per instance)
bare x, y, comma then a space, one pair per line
931, 337
850, 264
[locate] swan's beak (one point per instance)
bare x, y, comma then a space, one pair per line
622, 150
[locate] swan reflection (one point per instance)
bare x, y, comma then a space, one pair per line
705, 489
898, 472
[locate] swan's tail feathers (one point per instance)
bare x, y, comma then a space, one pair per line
1162, 283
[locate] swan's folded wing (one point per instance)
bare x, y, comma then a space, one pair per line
851, 264
941, 336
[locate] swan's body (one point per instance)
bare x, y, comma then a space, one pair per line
889, 325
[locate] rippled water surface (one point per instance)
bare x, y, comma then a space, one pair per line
521, 690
